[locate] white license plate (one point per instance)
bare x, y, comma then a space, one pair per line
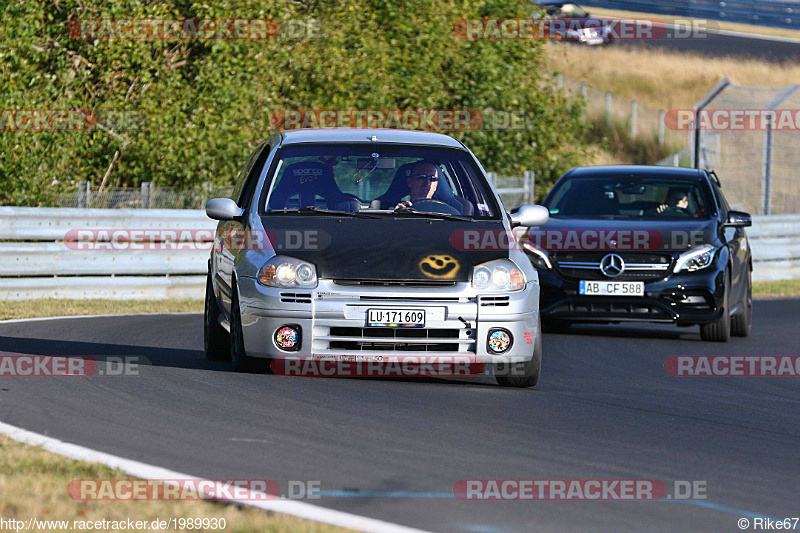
396, 318
612, 288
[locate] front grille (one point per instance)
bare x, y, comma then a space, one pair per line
639, 266
611, 309
296, 297
413, 298
396, 339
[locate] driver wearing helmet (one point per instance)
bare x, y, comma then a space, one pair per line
422, 183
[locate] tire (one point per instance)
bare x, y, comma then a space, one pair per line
742, 321
215, 338
241, 361
522, 375
720, 330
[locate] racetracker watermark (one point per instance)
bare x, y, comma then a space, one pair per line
577, 489
580, 29
733, 366
575, 239
99, 240
173, 489
406, 119
733, 119
193, 29
39, 120
68, 366
378, 366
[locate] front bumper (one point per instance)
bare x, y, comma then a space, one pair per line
332, 320
685, 299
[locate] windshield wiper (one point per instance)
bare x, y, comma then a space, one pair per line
410, 211
322, 211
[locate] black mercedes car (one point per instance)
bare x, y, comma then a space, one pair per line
643, 243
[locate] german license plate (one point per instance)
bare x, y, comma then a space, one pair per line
611, 288
396, 318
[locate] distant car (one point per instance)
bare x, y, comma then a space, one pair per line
358, 266
570, 22
642, 243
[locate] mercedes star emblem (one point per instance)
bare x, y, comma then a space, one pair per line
612, 265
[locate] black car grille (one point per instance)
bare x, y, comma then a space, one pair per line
395, 339
586, 266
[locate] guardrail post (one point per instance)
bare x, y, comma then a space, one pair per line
608, 109
560, 81
766, 184
530, 182
634, 109
661, 124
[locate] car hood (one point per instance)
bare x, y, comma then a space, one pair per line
413, 249
584, 234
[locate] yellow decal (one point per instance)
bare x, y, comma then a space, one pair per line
439, 266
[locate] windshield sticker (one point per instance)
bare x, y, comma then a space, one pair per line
439, 266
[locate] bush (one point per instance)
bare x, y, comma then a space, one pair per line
198, 107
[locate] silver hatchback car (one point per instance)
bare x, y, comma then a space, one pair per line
368, 245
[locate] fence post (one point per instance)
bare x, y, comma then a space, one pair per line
676, 159
584, 92
634, 109
766, 184
146, 194
661, 124
560, 80
530, 182
608, 109
81, 195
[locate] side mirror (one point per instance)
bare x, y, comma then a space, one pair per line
738, 219
529, 215
223, 209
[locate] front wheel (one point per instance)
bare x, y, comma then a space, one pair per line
522, 374
742, 321
241, 361
720, 330
215, 338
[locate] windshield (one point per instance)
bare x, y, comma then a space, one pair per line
377, 179
630, 197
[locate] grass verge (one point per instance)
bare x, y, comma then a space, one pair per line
777, 289
660, 79
51, 307
33, 483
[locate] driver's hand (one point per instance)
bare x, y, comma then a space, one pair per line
660, 209
402, 205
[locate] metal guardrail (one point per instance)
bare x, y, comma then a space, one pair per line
36, 262
777, 13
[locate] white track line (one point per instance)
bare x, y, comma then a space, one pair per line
146, 471
63, 317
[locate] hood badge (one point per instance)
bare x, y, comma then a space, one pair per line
612, 265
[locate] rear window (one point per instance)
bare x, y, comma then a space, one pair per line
630, 197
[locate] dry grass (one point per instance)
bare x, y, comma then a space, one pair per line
33, 483
50, 307
777, 289
703, 23
659, 79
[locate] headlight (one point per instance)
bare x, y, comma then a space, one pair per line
696, 259
498, 275
539, 258
287, 272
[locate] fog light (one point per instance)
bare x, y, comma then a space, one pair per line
287, 338
499, 340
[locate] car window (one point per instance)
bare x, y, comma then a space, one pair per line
242, 178
721, 201
631, 197
253, 175
373, 178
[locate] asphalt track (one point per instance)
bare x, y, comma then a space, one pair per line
604, 409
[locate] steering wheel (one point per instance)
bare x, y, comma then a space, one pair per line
434, 206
